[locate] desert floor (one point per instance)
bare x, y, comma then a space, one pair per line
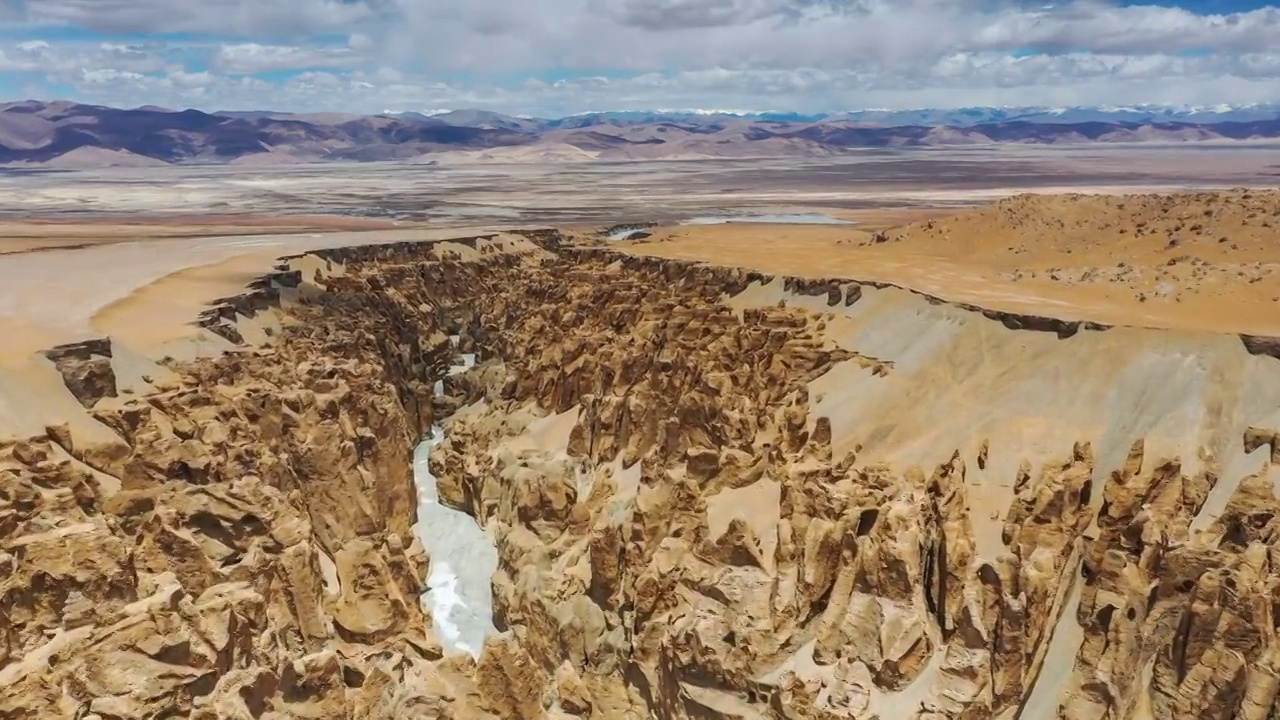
136, 253
610, 192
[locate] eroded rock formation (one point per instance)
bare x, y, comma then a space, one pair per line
680, 532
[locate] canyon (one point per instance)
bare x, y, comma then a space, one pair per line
711, 491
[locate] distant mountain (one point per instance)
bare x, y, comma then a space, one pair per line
489, 120
954, 117
66, 134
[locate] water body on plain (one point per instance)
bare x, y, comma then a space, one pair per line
635, 232
769, 218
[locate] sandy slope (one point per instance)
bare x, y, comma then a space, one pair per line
25, 234
147, 293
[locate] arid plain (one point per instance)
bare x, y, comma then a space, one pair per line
460, 190
980, 432
217, 225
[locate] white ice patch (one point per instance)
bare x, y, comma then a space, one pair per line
468, 362
458, 595
461, 364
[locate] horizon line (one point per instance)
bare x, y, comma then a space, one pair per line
1214, 108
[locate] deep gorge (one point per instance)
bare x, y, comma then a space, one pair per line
714, 494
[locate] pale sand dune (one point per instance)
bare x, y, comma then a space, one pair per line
758, 505
34, 396
550, 433
170, 303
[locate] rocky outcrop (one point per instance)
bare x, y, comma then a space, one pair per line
86, 370
678, 536
245, 548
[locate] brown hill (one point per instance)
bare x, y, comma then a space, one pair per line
35, 132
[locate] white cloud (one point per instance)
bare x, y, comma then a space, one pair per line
961, 79
562, 56
1134, 29
192, 81
66, 60
243, 18
685, 14
250, 58
639, 35
111, 77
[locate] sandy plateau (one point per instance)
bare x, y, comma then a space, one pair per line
1191, 261
1012, 461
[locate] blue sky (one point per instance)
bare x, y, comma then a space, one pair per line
552, 57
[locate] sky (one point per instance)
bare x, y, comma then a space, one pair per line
558, 57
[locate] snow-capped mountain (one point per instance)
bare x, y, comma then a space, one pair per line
926, 117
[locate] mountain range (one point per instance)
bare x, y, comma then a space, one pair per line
67, 134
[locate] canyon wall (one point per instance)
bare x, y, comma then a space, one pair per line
715, 494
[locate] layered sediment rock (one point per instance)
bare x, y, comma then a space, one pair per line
685, 528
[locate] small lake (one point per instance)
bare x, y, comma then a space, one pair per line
639, 231
631, 234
